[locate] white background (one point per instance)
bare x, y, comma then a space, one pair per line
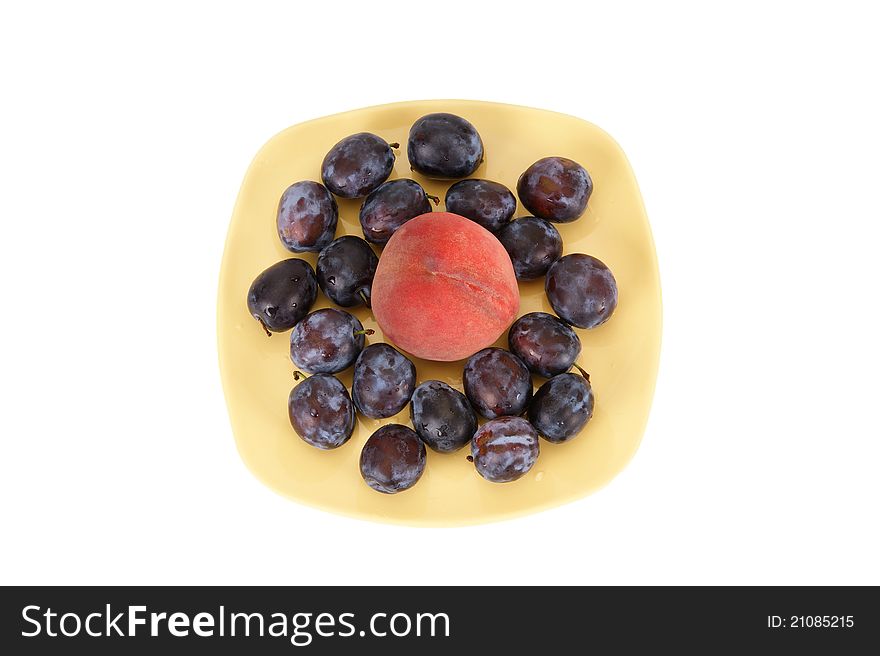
125, 133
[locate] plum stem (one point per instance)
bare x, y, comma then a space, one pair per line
394, 144
298, 374
364, 298
365, 331
268, 332
436, 199
583, 373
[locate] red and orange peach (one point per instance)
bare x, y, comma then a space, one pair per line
444, 288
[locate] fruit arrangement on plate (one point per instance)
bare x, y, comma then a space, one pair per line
442, 286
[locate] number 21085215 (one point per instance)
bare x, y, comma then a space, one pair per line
811, 622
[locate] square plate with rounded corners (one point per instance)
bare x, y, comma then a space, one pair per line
621, 356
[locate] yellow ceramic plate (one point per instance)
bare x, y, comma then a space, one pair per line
621, 356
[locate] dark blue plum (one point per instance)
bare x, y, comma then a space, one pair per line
505, 449
321, 411
345, 271
533, 245
327, 341
442, 416
383, 382
581, 290
497, 383
357, 165
393, 459
545, 344
307, 216
282, 294
487, 203
390, 206
444, 146
562, 407
555, 188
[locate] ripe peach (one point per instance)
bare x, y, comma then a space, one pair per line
444, 287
